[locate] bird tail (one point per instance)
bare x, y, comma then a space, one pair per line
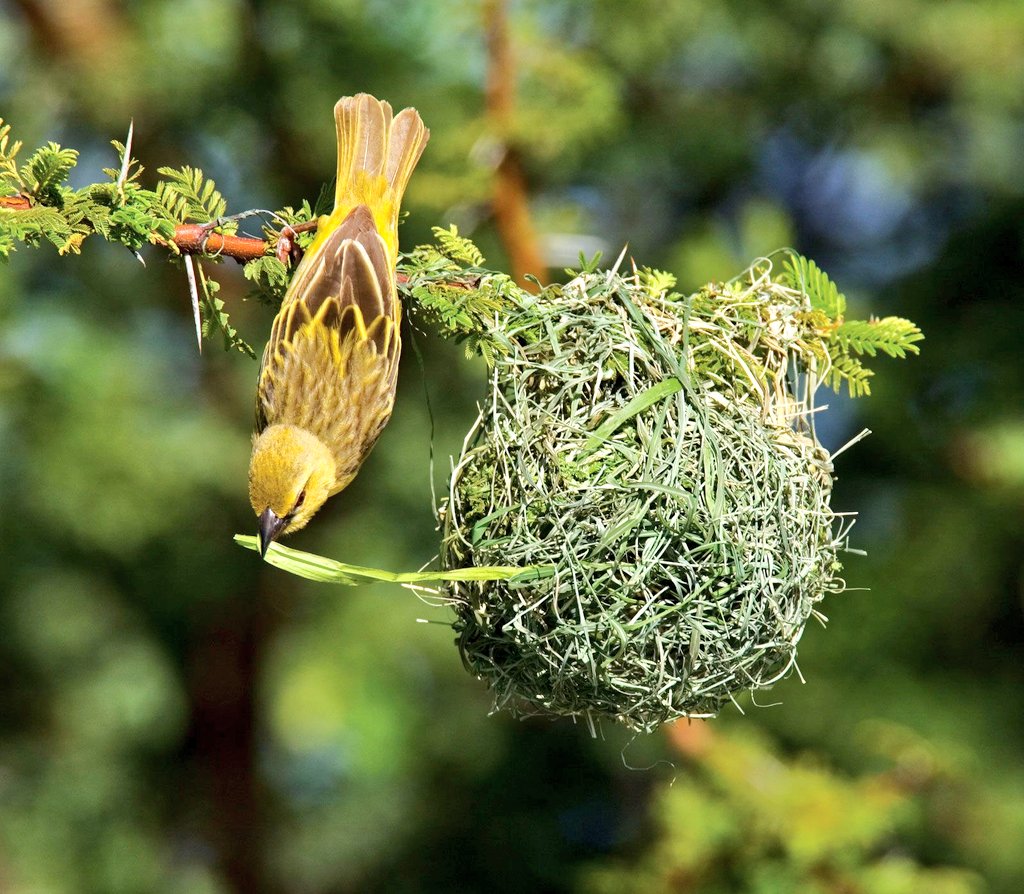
377, 152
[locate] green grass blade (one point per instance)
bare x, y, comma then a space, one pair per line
330, 571
638, 404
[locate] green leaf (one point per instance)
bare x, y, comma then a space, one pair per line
324, 203
9, 178
587, 265
187, 195
270, 279
329, 571
805, 276
34, 224
894, 336
656, 282
457, 247
215, 317
46, 172
128, 170
850, 370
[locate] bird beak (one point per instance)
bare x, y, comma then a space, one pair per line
270, 529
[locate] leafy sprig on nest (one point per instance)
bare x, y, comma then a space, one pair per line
848, 340
449, 288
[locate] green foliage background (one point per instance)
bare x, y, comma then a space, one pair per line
177, 717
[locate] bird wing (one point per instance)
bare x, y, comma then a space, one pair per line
351, 264
345, 287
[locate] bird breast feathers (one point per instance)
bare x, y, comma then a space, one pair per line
337, 384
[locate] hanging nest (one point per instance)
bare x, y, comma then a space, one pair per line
650, 455
651, 458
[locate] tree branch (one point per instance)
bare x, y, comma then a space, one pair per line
15, 203
197, 239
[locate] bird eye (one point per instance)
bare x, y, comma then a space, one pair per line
301, 499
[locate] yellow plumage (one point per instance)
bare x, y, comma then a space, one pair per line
327, 380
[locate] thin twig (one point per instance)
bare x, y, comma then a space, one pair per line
15, 203
192, 239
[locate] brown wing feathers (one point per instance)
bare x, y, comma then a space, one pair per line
348, 283
351, 270
365, 274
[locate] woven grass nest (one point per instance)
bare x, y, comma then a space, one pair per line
653, 455
649, 459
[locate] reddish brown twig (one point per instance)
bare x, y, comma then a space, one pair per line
197, 239
192, 239
15, 203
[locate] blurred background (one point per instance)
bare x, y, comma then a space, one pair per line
177, 717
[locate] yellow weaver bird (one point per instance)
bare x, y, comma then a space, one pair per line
327, 380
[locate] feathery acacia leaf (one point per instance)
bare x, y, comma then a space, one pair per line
894, 336
270, 279
9, 179
804, 275
457, 247
215, 317
46, 172
188, 196
32, 226
851, 372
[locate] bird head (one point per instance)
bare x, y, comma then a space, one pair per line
291, 474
